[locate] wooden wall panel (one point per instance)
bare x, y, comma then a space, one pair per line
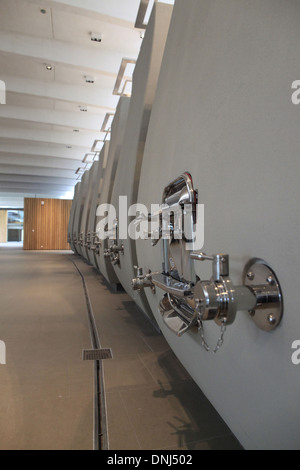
46, 224
30, 224
3, 226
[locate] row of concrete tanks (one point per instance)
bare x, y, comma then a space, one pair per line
117, 172
208, 147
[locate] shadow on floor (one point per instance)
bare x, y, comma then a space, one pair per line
202, 418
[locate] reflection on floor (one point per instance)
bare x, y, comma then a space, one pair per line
47, 390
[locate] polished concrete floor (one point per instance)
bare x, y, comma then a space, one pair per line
46, 388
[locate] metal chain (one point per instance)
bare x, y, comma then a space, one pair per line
220, 340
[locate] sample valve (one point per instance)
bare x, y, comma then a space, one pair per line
113, 252
142, 280
95, 243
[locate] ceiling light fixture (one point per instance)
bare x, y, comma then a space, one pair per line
43, 11
97, 37
89, 79
48, 67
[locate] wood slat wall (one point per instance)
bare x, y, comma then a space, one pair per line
46, 224
3, 226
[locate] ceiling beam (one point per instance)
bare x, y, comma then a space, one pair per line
38, 160
37, 171
76, 120
59, 52
80, 95
41, 151
83, 140
19, 179
115, 11
35, 189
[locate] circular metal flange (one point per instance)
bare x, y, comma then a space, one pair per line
262, 280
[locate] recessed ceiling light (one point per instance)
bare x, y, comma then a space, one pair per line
48, 67
97, 37
89, 79
43, 11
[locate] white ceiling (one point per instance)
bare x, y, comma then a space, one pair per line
39, 150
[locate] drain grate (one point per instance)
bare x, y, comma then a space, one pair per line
96, 354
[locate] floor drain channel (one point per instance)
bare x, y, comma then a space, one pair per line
100, 434
96, 354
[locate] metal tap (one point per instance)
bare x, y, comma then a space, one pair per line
142, 280
113, 252
95, 243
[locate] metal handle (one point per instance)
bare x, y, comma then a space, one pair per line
220, 263
142, 280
